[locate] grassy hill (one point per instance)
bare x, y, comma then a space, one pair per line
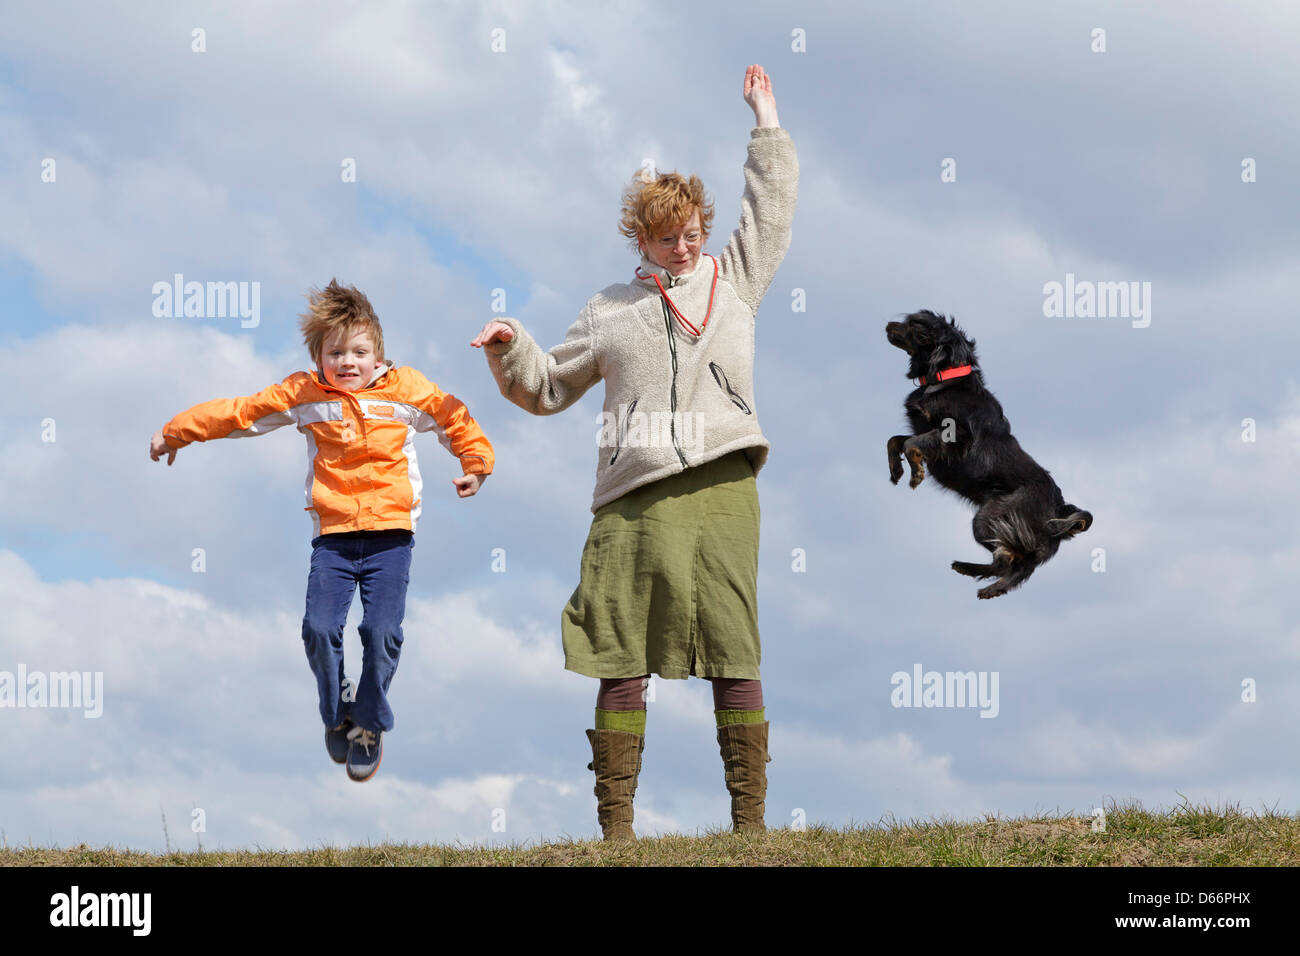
1133, 836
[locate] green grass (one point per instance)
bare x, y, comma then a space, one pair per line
1133, 836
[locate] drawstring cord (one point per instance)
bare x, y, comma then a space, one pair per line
682, 320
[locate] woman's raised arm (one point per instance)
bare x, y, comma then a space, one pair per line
756, 248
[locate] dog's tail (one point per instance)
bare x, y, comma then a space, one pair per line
1070, 520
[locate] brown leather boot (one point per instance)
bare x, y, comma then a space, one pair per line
616, 758
745, 759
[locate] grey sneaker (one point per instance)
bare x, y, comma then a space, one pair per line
365, 751
336, 740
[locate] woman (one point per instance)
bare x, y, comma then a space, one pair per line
670, 568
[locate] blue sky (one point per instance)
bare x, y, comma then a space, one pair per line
479, 171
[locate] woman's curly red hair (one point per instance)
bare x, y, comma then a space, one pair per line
654, 203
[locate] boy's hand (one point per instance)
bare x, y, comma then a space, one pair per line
493, 332
158, 446
467, 485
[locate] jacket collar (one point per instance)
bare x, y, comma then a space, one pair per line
380, 372
703, 271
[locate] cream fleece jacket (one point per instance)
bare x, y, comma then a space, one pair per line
672, 400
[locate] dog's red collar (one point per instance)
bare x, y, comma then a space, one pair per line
945, 374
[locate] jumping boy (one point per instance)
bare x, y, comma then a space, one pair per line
359, 414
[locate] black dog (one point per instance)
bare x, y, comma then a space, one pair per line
960, 430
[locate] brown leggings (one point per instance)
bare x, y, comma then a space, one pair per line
729, 693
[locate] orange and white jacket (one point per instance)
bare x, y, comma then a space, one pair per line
362, 470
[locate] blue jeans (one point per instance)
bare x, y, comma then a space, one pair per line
380, 561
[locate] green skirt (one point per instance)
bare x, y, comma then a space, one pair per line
670, 579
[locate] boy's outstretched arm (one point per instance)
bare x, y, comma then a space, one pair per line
243, 417
447, 416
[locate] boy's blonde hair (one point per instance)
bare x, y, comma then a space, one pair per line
656, 202
338, 308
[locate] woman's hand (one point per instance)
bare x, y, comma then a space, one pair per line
493, 332
758, 94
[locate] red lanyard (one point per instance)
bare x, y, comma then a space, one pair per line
685, 323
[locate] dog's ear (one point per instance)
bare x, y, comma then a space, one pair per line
1072, 521
952, 347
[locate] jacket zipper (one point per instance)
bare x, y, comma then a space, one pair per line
672, 348
374, 487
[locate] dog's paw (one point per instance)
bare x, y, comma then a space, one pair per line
992, 591
918, 476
